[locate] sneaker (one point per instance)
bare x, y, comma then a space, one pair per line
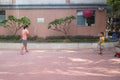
27, 51
100, 53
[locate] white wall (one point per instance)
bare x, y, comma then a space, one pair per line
40, 1
5, 1
88, 1
53, 1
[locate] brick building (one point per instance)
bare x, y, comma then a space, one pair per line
48, 10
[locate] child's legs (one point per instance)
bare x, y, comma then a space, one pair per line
101, 49
24, 45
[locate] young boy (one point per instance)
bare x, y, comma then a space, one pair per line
24, 35
101, 42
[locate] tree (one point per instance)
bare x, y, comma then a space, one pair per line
62, 25
13, 24
115, 6
114, 16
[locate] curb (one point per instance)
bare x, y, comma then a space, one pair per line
55, 45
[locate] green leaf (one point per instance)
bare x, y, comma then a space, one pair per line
3, 22
12, 18
25, 21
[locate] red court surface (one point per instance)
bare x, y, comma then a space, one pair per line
83, 64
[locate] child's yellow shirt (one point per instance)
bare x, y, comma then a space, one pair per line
102, 39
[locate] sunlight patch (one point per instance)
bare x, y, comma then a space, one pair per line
115, 61
73, 73
69, 51
5, 73
1, 53
39, 51
80, 60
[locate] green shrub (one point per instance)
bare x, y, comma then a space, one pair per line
50, 39
10, 38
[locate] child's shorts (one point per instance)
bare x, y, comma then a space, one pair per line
101, 47
24, 42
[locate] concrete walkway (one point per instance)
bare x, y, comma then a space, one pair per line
54, 45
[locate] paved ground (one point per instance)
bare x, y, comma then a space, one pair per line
82, 64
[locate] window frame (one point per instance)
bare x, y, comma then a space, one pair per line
86, 24
2, 14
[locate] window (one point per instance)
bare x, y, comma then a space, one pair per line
2, 15
80, 18
82, 21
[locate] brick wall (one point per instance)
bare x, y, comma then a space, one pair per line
41, 29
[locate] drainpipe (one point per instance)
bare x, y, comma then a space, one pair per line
68, 1
13, 1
